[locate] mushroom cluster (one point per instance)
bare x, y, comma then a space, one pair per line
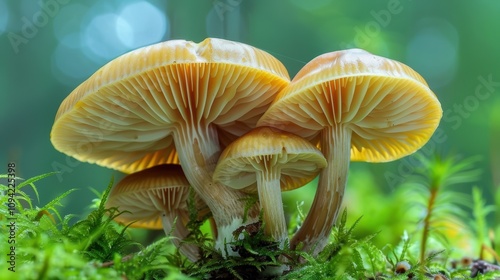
223, 118
355, 106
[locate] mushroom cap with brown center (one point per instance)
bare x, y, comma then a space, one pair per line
123, 116
388, 106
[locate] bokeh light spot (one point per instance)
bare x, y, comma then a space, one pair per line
433, 51
70, 65
4, 16
101, 39
90, 35
69, 21
146, 25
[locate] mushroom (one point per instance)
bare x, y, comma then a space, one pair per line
157, 198
270, 161
170, 102
354, 105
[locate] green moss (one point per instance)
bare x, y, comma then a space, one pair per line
49, 246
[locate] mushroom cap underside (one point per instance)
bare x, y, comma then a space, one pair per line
287, 156
146, 195
123, 116
388, 106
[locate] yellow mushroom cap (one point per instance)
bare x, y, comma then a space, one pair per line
123, 116
264, 147
387, 105
148, 194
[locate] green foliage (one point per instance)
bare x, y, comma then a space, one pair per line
97, 236
345, 255
443, 207
257, 255
53, 248
348, 257
49, 246
479, 224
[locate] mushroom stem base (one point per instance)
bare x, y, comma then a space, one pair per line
175, 226
198, 149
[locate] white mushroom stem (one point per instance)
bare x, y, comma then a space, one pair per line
174, 224
198, 149
269, 189
316, 229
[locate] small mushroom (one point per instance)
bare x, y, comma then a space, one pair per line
157, 198
172, 102
354, 105
270, 161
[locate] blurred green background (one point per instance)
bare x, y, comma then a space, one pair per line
48, 47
